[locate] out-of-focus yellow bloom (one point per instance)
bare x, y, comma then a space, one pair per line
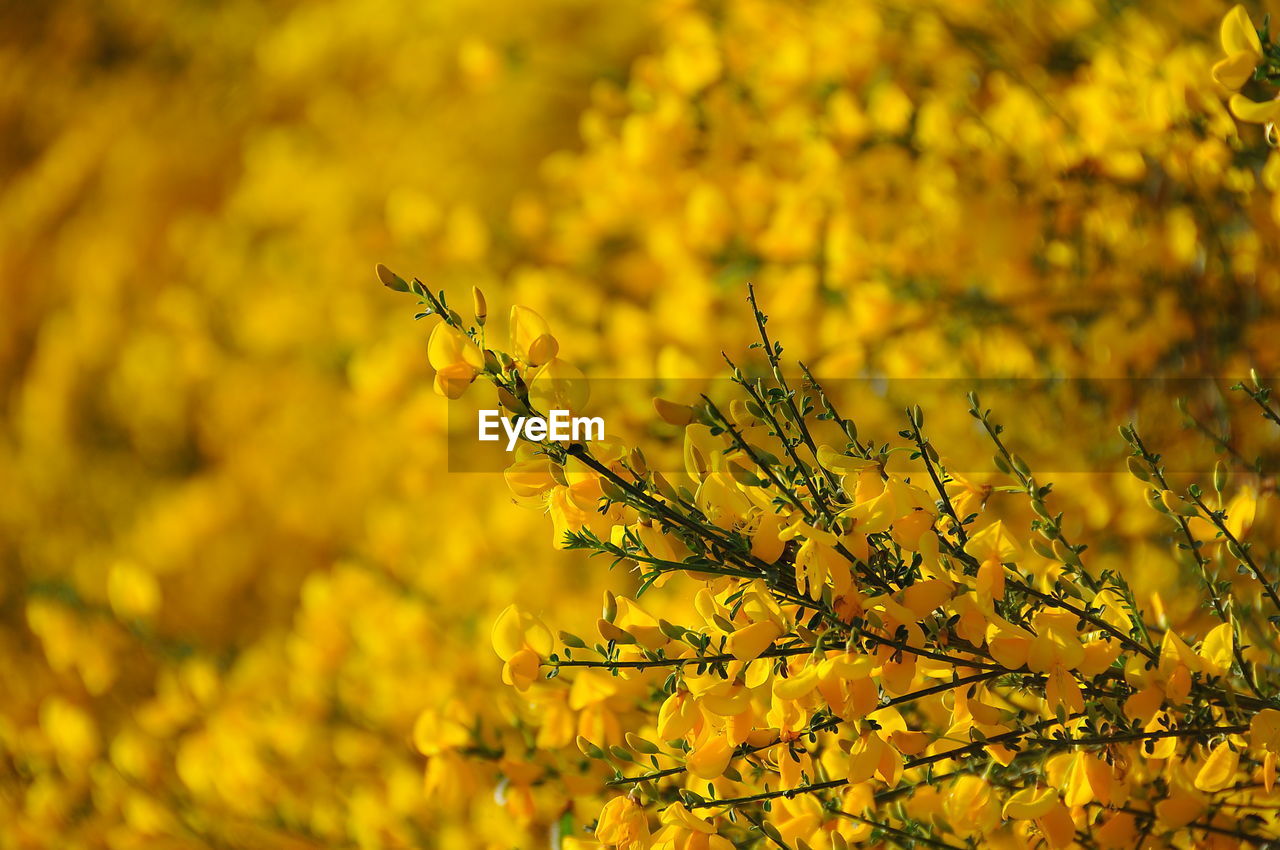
195, 371
71, 732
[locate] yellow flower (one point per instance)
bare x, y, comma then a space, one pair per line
522, 641
1219, 769
1044, 807
748, 642
1244, 52
1029, 803
993, 546
684, 830
817, 560
1243, 49
1240, 512
1264, 734
438, 731
456, 359
1181, 807
1118, 831
710, 758
558, 385
531, 338
623, 824
1062, 689
132, 590
71, 730
1264, 730
1217, 649
1056, 642
967, 804
677, 716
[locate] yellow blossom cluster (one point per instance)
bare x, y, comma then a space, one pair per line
226, 593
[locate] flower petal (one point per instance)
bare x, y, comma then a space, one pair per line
1219, 769
1234, 71
1030, 803
1254, 112
1238, 34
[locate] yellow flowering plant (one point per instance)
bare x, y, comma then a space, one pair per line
864, 662
243, 603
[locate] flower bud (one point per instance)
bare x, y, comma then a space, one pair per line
589, 749
663, 486
390, 279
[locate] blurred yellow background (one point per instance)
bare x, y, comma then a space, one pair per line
227, 587
234, 572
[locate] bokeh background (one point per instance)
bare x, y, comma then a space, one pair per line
234, 572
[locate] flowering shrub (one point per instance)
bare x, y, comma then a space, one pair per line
870, 652
241, 604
